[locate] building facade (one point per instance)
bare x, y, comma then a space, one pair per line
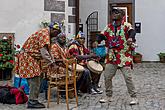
146, 15
23, 17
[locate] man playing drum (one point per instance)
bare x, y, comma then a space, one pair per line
78, 50
118, 38
100, 51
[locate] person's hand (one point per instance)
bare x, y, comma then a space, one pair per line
97, 59
94, 44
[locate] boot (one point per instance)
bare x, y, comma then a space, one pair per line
35, 104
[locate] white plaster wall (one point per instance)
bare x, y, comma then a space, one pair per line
151, 40
70, 28
21, 17
89, 6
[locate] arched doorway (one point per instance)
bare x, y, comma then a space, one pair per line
92, 26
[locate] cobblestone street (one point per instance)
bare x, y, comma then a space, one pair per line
149, 79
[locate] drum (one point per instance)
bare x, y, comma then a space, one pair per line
79, 68
95, 67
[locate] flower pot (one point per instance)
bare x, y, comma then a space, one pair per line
137, 58
5, 74
162, 59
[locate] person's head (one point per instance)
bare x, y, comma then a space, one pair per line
80, 38
94, 44
55, 29
117, 16
61, 38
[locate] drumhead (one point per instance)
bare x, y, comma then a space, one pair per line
79, 68
95, 67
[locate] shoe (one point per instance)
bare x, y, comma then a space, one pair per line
106, 99
35, 104
134, 101
79, 93
99, 86
98, 91
92, 91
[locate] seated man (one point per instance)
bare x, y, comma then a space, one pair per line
59, 51
78, 50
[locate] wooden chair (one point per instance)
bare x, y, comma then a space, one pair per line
59, 80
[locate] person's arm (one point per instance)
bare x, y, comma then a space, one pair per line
46, 55
131, 32
73, 50
83, 57
131, 36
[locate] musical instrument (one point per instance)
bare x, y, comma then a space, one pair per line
95, 67
79, 68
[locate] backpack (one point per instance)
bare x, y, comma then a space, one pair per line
12, 95
5, 96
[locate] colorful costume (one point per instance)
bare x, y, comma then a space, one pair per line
119, 55
33, 51
84, 83
29, 60
119, 52
59, 53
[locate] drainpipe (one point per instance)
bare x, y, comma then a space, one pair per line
77, 16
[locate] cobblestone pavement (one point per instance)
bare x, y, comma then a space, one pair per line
149, 79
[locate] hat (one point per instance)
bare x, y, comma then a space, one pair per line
55, 25
116, 10
80, 35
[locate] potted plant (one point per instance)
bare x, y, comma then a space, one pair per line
6, 58
137, 57
162, 57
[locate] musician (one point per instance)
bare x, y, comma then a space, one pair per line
78, 50
59, 52
118, 38
33, 51
100, 51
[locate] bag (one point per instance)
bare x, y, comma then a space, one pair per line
12, 95
21, 82
5, 95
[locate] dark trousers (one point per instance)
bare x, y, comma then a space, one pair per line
95, 79
85, 82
